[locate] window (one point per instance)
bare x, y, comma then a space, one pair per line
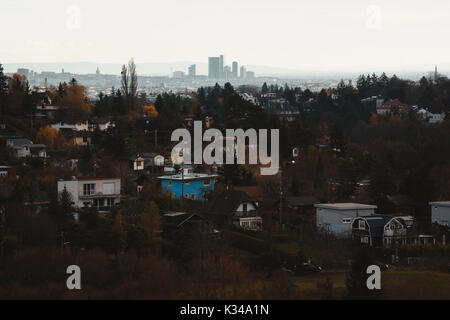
361, 225
207, 182
109, 202
108, 188
364, 239
89, 189
193, 196
169, 183
186, 195
347, 220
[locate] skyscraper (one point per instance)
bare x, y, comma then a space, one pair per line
243, 72
192, 70
227, 74
235, 69
221, 63
214, 67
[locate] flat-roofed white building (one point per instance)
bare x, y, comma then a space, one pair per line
440, 212
337, 218
97, 192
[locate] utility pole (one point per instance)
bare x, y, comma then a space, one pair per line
156, 137
182, 180
2, 229
281, 202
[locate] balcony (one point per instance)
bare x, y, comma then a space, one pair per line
99, 195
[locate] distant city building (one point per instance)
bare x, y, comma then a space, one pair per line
243, 73
178, 74
23, 71
234, 69
214, 67
97, 72
192, 70
250, 75
227, 73
221, 64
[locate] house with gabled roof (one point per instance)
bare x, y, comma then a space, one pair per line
22, 148
337, 218
238, 208
388, 231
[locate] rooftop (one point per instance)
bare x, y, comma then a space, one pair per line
440, 203
345, 206
188, 176
88, 178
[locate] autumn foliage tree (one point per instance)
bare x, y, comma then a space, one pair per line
151, 112
74, 100
50, 137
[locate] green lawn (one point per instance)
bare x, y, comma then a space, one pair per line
397, 284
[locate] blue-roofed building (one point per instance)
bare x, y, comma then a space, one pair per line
189, 185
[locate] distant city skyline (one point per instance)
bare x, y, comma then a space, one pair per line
323, 35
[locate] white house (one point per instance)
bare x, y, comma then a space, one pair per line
138, 163
97, 192
23, 148
101, 124
141, 162
429, 117
75, 126
440, 212
238, 207
337, 218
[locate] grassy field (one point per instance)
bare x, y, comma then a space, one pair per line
397, 284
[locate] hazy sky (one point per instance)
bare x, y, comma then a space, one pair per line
327, 34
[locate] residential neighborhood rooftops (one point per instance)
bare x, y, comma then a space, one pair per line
378, 222
19, 143
345, 206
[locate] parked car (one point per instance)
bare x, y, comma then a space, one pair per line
306, 268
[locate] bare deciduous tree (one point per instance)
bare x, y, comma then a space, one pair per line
129, 83
133, 82
124, 74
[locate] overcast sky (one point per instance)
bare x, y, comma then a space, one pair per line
326, 34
